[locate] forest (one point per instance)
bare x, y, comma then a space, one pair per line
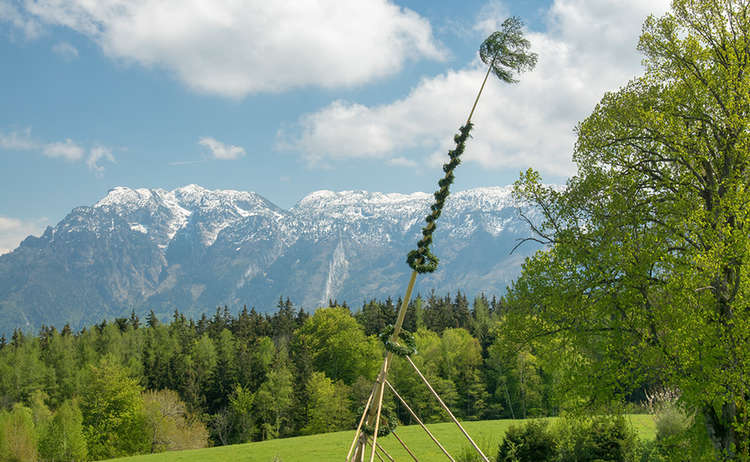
139, 386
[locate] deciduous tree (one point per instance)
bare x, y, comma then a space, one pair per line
645, 277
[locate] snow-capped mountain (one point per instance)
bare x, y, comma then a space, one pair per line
193, 249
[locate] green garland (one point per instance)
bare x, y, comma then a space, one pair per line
409, 347
388, 423
422, 260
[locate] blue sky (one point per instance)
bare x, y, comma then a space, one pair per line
285, 98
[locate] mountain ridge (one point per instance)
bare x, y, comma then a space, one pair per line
193, 249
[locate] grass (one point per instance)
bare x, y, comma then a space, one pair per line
333, 446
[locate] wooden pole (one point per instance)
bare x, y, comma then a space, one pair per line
376, 388
359, 427
476, 101
383, 451
419, 421
405, 447
380, 408
450, 414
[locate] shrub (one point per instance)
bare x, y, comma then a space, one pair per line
673, 428
600, 438
532, 442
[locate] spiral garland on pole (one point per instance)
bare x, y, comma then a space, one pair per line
422, 260
506, 52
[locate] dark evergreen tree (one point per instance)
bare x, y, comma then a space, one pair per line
152, 320
135, 322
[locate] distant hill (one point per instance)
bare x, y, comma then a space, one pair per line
194, 249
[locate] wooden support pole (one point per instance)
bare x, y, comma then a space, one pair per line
359, 427
380, 458
450, 414
419, 421
382, 451
373, 415
380, 408
405, 447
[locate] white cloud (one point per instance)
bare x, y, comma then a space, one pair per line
589, 48
67, 149
97, 154
14, 230
402, 162
490, 17
235, 48
17, 141
28, 25
220, 150
65, 50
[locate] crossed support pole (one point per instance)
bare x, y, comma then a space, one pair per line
371, 416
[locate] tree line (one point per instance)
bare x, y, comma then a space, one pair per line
132, 386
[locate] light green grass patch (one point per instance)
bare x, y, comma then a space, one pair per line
333, 446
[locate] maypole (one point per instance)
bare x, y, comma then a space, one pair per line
506, 53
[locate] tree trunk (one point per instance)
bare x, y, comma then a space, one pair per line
721, 430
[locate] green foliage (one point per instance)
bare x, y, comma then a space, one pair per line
63, 439
242, 420
274, 399
328, 408
404, 346
598, 438
644, 279
112, 409
232, 375
338, 345
21, 370
677, 438
17, 435
507, 51
168, 424
422, 259
532, 442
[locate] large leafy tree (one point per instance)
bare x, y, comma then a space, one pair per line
338, 345
645, 279
112, 410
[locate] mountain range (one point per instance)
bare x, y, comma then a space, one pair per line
194, 249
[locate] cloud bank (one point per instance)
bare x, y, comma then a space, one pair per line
236, 48
588, 48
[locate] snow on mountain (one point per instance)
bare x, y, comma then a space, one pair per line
193, 249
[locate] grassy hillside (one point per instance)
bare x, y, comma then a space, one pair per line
333, 446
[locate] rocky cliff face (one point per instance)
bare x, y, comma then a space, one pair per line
193, 249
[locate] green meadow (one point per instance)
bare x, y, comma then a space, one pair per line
334, 446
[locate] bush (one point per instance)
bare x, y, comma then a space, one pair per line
531, 443
600, 438
674, 441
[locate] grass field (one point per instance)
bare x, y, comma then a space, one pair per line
333, 446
